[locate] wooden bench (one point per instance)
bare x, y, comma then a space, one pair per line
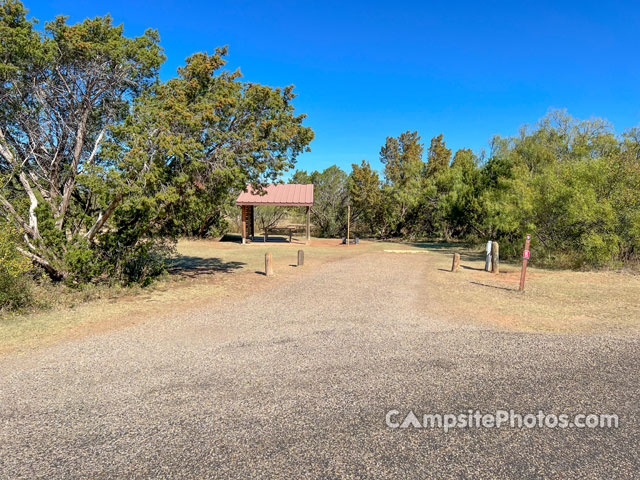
279, 231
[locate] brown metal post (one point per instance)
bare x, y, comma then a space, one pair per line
308, 224
525, 260
244, 224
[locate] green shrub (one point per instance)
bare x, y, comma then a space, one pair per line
15, 291
114, 263
84, 263
144, 263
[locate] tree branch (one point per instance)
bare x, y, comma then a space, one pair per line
4, 150
15, 216
95, 147
33, 219
51, 270
103, 217
70, 183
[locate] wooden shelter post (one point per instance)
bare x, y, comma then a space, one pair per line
308, 224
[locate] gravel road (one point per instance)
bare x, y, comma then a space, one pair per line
295, 382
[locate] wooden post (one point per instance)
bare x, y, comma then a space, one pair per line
348, 223
495, 257
268, 264
456, 262
525, 260
300, 258
308, 224
244, 224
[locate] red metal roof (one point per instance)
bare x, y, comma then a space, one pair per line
287, 195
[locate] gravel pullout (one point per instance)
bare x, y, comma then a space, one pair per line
295, 381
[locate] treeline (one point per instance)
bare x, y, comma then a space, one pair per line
574, 185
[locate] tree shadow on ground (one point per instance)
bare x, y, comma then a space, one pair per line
195, 266
275, 239
231, 237
234, 238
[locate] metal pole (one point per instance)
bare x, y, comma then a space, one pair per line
348, 222
487, 263
525, 260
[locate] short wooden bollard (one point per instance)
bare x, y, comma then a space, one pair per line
268, 264
456, 262
300, 258
495, 257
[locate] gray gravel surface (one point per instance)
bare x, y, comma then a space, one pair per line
295, 381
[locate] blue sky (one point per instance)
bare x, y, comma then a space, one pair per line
368, 70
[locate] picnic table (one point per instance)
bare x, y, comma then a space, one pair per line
290, 230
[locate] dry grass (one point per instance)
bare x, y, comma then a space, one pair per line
553, 301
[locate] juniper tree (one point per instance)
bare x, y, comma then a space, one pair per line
100, 162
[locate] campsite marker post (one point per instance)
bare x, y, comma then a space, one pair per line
525, 259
